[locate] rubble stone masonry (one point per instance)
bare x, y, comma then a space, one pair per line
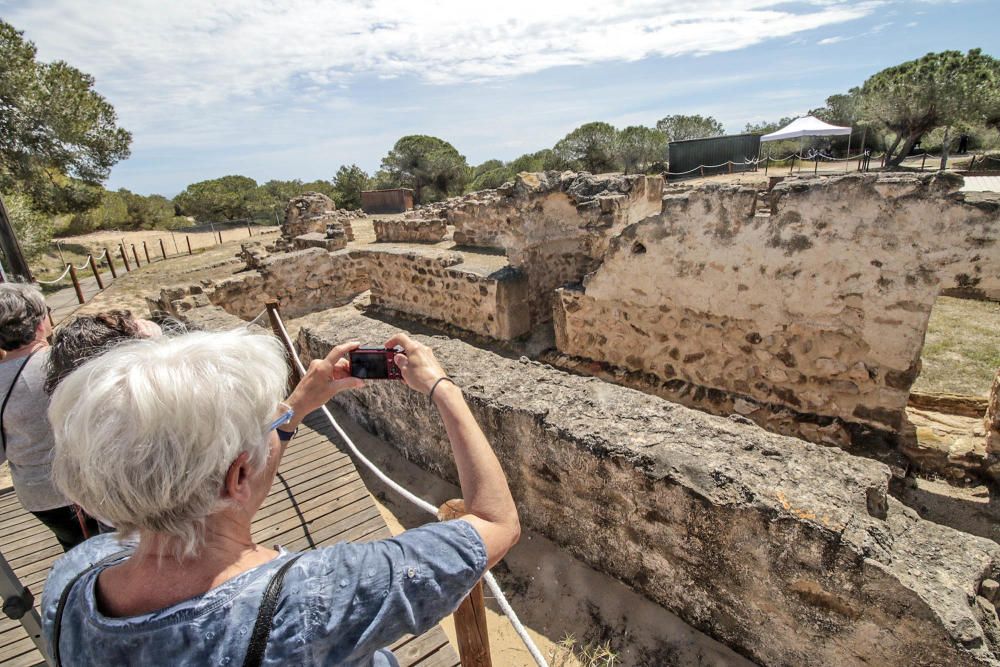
819, 307
790, 552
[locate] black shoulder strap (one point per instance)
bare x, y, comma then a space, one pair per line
61, 607
10, 390
265, 614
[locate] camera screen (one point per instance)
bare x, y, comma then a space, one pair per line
369, 365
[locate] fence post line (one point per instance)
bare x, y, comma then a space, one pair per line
163, 249
111, 264
923, 162
146, 250
188, 239
249, 231
97, 274
121, 247
470, 617
220, 236
135, 253
816, 165
76, 282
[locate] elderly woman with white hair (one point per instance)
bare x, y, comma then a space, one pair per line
24, 429
176, 442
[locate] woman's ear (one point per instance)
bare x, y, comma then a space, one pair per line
237, 485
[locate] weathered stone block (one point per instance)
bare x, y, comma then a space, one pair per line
320, 240
411, 230
791, 552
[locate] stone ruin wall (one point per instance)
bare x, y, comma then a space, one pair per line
411, 230
992, 424
553, 227
430, 285
301, 282
820, 307
311, 212
792, 553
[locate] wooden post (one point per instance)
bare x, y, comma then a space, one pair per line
111, 264
135, 253
163, 249
188, 239
97, 274
220, 237
815, 165
972, 162
145, 249
767, 161
470, 617
791, 168
121, 248
249, 231
701, 170
729, 163
76, 282
923, 162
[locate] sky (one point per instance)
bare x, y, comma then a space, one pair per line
284, 89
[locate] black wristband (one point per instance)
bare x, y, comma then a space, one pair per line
430, 396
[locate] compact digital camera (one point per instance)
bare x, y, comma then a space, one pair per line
375, 363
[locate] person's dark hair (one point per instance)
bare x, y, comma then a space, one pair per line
85, 337
22, 308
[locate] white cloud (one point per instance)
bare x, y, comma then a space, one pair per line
832, 40
154, 59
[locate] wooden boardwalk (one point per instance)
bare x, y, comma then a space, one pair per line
318, 499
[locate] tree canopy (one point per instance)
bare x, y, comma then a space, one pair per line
681, 127
638, 147
938, 90
228, 198
590, 147
348, 183
58, 137
432, 167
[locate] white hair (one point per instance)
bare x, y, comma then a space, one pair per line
145, 433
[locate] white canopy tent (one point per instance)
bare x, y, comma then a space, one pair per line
808, 126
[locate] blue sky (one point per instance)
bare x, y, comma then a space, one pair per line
295, 88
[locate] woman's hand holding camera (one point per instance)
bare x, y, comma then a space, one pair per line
324, 379
417, 364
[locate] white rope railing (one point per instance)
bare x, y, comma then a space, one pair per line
501, 599
101, 256
53, 282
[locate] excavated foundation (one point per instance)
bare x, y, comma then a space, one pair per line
807, 319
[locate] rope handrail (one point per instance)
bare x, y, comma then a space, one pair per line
419, 502
101, 256
53, 282
85, 264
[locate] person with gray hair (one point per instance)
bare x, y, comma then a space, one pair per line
176, 441
24, 428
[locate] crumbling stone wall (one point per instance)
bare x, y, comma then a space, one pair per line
300, 282
411, 230
820, 307
790, 552
312, 212
553, 227
435, 284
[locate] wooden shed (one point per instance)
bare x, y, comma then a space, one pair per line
396, 200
